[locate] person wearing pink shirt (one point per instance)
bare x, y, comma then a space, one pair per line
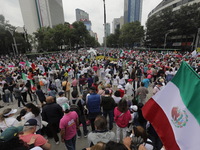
122, 116
69, 125
74, 84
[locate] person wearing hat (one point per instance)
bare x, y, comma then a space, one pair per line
129, 90
29, 130
7, 119
121, 90
61, 99
9, 140
68, 127
157, 88
93, 101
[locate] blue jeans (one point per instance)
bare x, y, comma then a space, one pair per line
71, 144
111, 117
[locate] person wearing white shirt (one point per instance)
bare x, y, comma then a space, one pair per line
61, 99
129, 89
33, 112
7, 119
58, 84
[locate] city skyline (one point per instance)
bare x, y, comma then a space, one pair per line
11, 10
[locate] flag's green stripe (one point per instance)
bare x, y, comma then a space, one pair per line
23, 76
188, 82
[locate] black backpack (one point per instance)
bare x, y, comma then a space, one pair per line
75, 107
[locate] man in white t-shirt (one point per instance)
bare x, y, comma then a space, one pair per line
129, 89
61, 99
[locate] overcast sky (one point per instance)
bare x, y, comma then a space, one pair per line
114, 9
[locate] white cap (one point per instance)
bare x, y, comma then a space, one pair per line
13, 111
134, 107
119, 87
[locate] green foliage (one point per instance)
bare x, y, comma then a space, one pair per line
182, 22
64, 36
131, 34
7, 32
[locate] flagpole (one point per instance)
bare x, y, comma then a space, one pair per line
105, 44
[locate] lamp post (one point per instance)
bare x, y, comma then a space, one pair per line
15, 45
165, 39
105, 45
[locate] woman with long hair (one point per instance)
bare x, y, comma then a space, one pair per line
122, 116
33, 112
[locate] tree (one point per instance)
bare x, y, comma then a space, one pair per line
182, 23
55, 38
132, 34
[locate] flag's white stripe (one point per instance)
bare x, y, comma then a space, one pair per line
187, 137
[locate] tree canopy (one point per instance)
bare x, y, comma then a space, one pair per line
182, 24
131, 34
64, 36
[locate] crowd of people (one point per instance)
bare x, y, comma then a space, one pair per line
66, 92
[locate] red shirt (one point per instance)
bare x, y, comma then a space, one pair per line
121, 92
40, 140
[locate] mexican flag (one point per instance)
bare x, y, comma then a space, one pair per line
121, 53
174, 111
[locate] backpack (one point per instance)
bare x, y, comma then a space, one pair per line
75, 107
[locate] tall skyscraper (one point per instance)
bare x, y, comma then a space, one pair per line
81, 15
132, 10
117, 23
41, 13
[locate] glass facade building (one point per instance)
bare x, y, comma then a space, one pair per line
132, 10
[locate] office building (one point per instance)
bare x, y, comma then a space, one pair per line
107, 29
81, 15
132, 10
175, 4
41, 13
117, 23
172, 38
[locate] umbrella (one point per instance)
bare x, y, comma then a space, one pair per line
22, 63
11, 66
179, 56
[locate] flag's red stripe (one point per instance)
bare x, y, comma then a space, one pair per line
156, 116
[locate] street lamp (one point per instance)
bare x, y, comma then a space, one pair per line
104, 24
165, 39
15, 45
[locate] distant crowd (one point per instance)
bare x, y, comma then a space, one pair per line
78, 95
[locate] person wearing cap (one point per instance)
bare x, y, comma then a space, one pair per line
52, 113
121, 90
68, 127
93, 101
7, 119
29, 133
61, 99
9, 140
129, 90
